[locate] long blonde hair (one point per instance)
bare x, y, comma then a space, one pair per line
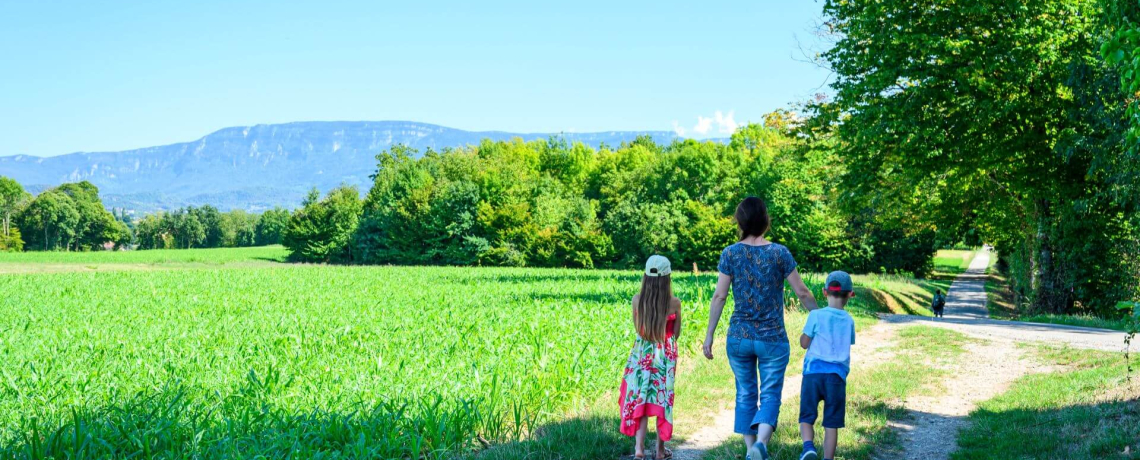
653, 307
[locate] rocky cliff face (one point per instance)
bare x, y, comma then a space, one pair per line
256, 167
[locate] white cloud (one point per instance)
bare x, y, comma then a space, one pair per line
703, 125
724, 124
677, 128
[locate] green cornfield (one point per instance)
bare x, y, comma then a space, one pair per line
394, 361
215, 359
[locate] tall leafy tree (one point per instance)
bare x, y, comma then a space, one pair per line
238, 229
322, 230
212, 224
96, 225
12, 199
271, 225
51, 221
969, 113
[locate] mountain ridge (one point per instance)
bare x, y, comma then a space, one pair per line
259, 166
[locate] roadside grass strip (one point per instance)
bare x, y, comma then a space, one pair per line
1086, 409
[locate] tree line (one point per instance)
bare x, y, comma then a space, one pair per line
71, 217
206, 227
68, 217
556, 204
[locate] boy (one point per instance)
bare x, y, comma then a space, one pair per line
827, 337
938, 304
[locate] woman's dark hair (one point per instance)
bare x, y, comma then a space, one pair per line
752, 217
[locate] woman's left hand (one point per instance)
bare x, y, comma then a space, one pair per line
707, 347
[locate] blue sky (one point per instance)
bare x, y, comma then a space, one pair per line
76, 76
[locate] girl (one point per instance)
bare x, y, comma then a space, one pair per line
647, 388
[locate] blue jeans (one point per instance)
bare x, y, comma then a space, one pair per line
770, 359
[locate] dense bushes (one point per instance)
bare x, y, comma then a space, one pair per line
554, 204
69, 217
206, 227
321, 231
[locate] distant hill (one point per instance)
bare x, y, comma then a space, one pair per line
257, 167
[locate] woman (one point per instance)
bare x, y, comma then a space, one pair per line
756, 268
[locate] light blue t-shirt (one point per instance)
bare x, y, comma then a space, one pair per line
832, 333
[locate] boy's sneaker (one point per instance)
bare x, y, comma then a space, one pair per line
758, 451
809, 454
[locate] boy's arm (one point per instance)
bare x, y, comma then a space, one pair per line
809, 331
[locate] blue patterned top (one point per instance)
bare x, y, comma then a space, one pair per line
758, 274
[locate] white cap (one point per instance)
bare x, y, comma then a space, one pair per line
657, 266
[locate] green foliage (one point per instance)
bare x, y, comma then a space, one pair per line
70, 217
238, 229
207, 227
1122, 49
183, 228
12, 199
51, 221
271, 226
12, 241
321, 231
547, 203
945, 125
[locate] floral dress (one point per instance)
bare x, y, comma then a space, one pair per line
647, 387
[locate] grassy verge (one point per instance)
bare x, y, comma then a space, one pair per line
1001, 305
999, 299
54, 262
1088, 409
908, 296
1078, 320
952, 261
874, 397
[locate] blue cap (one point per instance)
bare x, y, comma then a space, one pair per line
838, 281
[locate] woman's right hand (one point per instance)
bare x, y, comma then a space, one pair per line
707, 348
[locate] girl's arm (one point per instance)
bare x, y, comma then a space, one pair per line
802, 290
677, 322
716, 306
633, 309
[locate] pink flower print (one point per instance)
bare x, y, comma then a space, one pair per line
646, 364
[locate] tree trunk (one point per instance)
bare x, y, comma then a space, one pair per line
1050, 295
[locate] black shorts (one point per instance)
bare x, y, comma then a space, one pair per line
829, 388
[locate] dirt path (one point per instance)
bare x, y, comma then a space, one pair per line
986, 369
966, 313
935, 417
873, 349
